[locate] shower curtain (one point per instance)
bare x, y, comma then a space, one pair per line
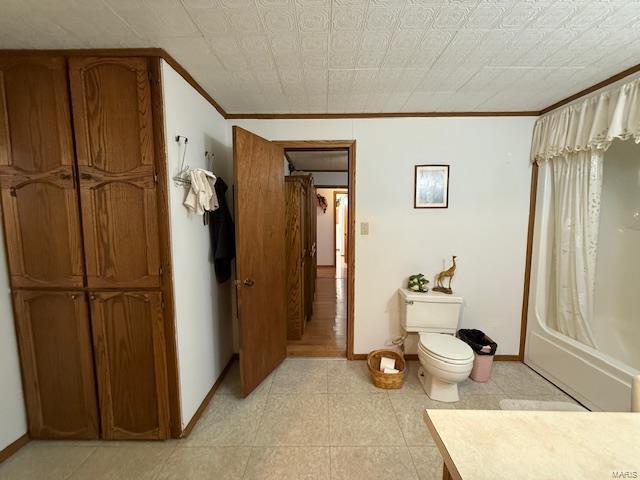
576, 192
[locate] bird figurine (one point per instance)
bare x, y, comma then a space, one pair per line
418, 283
445, 274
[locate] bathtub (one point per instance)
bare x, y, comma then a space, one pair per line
600, 378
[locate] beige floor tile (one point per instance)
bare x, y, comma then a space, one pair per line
231, 383
469, 387
411, 383
294, 420
428, 462
371, 463
134, 462
515, 378
480, 402
288, 463
409, 411
205, 463
300, 375
43, 462
363, 419
228, 421
346, 376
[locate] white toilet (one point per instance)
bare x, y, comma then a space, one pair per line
445, 360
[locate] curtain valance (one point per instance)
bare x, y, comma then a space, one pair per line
591, 124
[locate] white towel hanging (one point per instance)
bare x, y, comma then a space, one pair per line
201, 196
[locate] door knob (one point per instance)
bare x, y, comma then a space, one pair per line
248, 282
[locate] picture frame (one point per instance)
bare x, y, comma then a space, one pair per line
431, 186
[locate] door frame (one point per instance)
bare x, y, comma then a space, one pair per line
350, 147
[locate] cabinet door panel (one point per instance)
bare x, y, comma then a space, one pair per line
114, 141
39, 199
120, 233
112, 113
57, 363
35, 124
129, 344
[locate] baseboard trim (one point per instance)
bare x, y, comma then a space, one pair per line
13, 447
205, 403
414, 356
507, 358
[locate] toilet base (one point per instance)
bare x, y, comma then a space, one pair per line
436, 389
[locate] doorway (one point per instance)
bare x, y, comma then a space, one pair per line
329, 327
341, 232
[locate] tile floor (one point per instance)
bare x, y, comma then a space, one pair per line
312, 419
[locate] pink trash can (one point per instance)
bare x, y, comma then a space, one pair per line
481, 371
484, 349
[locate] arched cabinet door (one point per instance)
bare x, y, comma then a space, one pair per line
111, 99
57, 364
128, 338
39, 198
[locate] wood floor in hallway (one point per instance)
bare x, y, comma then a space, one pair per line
326, 331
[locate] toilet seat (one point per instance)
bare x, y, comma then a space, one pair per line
445, 349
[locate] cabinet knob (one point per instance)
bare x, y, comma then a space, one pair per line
248, 282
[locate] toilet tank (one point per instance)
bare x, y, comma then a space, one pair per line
431, 312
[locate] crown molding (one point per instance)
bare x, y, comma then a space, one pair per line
321, 116
159, 52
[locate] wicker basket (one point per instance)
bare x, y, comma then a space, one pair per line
386, 380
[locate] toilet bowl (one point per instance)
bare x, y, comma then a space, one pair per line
445, 361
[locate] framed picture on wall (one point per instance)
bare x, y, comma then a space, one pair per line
431, 186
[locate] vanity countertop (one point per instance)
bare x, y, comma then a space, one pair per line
479, 444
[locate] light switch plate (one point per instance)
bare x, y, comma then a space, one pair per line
364, 228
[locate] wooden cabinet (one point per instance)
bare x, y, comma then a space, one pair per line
57, 364
81, 224
114, 141
301, 252
311, 213
128, 338
295, 255
39, 199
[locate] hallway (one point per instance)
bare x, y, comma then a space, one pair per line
326, 332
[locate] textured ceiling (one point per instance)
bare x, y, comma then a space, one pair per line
320, 160
317, 56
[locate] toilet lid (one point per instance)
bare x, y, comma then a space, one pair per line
446, 347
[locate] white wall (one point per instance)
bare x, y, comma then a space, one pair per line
326, 239
13, 417
485, 224
203, 307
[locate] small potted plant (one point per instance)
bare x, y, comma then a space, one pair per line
418, 283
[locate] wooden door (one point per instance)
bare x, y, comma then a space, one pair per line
39, 199
57, 364
260, 256
128, 337
111, 100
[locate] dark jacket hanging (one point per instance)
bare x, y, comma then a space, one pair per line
223, 243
